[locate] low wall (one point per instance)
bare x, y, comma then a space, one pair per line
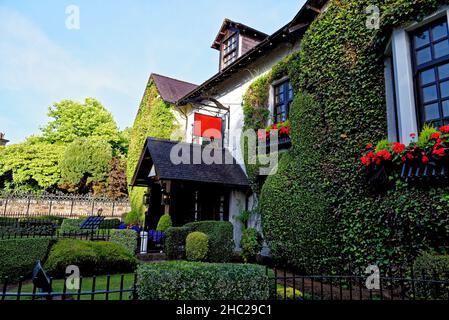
65, 206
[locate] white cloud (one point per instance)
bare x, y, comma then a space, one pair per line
30, 60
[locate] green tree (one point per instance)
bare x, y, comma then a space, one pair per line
31, 166
116, 182
72, 120
85, 162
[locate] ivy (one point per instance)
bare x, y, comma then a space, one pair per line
154, 119
317, 212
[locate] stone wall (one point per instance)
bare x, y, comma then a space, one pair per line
66, 206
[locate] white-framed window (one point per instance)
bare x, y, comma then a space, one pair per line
417, 76
280, 100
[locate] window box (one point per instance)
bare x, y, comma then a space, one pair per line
434, 170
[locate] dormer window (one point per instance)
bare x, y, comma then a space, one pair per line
230, 49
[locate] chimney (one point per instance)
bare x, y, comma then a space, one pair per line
3, 141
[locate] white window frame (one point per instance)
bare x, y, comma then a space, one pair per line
271, 97
400, 89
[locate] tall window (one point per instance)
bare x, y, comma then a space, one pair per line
431, 69
230, 48
283, 97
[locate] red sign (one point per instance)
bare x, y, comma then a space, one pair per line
207, 126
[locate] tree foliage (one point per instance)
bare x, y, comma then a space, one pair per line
72, 120
85, 162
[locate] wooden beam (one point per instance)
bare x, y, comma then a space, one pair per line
313, 9
298, 27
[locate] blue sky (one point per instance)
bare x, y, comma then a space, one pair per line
110, 57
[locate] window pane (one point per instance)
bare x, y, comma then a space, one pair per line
423, 56
422, 39
429, 94
431, 112
439, 31
444, 89
441, 49
446, 108
428, 77
443, 71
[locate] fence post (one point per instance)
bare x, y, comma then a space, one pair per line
28, 206
6, 205
49, 209
71, 207
113, 207
93, 206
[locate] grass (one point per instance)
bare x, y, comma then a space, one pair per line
86, 285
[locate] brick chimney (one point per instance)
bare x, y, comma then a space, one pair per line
3, 141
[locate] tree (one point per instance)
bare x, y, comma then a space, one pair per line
72, 120
116, 183
31, 166
85, 163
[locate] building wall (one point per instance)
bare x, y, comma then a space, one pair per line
230, 93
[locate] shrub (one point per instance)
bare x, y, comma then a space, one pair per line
18, 256
221, 234
251, 244
92, 257
164, 223
197, 244
127, 238
175, 240
288, 293
431, 266
71, 225
203, 281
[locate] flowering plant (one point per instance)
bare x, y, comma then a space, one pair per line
432, 145
134, 227
283, 129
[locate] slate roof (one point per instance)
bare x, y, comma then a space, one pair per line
157, 152
170, 89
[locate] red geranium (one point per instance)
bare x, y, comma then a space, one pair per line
398, 147
439, 152
369, 146
444, 129
425, 159
435, 136
384, 154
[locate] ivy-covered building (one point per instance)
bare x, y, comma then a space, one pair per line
340, 75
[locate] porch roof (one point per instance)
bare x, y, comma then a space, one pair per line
155, 164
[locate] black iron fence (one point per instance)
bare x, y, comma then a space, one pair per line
94, 235
110, 287
414, 286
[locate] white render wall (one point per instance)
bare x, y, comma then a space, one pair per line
230, 94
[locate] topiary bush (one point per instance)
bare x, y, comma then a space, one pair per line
203, 281
197, 245
92, 257
71, 225
251, 244
221, 235
288, 293
18, 256
126, 237
164, 223
429, 265
175, 240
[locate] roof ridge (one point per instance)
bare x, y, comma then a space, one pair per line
160, 75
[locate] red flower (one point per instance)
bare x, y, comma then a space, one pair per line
439, 152
425, 159
398, 147
384, 154
435, 136
403, 159
444, 129
369, 146
284, 131
261, 135
378, 162
413, 135
409, 156
366, 161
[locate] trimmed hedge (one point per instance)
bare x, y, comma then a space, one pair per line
164, 223
431, 266
127, 238
197, 245
175, 241
221, 235
92, 257
203, 281
18, 256
71, 225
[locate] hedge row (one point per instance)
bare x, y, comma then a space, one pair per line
126, 238
18, 256
203, 281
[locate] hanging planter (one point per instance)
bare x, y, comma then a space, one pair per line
283, 132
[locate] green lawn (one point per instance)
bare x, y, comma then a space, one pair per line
86, 285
